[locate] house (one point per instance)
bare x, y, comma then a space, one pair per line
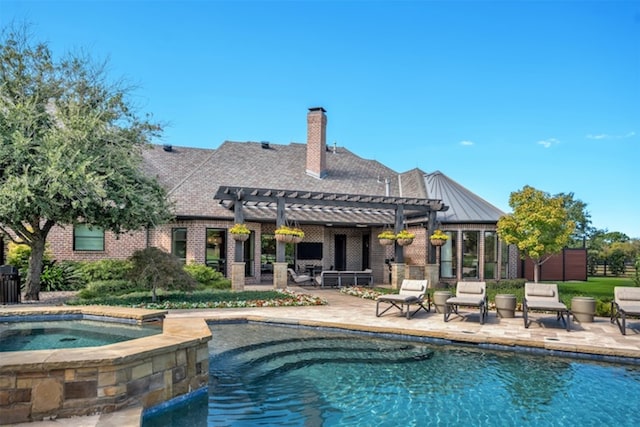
318, 181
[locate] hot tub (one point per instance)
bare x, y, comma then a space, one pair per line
40, 384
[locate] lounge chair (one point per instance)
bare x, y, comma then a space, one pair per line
411, 292
544, 297
626, 302
468, 294
299, 278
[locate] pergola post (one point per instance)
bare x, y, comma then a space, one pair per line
398, 269
238, 266
431, 227
238, 217
280, 266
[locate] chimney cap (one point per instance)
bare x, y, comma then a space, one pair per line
314, 109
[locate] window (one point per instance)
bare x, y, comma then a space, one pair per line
448, 262
86, 238
216, 244
490, 254
470, 254
179, 243
249, 257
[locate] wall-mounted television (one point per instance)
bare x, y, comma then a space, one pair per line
309, 250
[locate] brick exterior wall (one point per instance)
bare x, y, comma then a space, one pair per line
60, 244
316, 142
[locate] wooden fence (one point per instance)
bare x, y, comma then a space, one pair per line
605, 270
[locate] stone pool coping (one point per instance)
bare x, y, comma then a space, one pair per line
41, 384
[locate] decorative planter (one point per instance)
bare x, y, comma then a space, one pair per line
296, 239
385, 242
438, 242
404, 242
506, 305
583, 309
440, 300
240, 237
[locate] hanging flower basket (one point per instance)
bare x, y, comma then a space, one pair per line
438, 238
386, 238
404, 238
239, 232
288, 234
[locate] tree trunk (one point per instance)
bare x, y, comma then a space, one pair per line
32, 288
536, 271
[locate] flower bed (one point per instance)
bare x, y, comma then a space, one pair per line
361, 292
290, 299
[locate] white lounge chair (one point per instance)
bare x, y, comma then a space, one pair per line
299, 278
468, 294
544, 297
411, 292
626, 302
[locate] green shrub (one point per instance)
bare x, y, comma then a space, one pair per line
18, 255
61, 276
106, 269
603, 308
155, 269
105, 288
207, 277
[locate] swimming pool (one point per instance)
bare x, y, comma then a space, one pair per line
56, 334
275, 375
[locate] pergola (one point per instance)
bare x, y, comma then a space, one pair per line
366, 209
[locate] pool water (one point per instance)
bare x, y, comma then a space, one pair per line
262, 375
56, 334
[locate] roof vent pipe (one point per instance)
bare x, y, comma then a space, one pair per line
167, 147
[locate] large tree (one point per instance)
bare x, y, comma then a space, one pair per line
577, 212
71, 149
539, 225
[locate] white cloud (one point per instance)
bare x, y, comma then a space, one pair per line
546, 143
466, 142
607, 136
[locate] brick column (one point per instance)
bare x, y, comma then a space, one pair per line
397, 275
237, 276
279, 275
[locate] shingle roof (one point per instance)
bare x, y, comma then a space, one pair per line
192, 175
464, 206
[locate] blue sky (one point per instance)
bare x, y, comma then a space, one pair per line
496, 95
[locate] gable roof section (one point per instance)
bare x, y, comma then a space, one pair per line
464, 206
412, 184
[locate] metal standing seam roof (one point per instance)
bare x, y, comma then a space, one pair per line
464, 206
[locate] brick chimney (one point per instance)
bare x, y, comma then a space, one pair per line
317, 142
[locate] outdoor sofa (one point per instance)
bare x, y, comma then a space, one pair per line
334, 278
